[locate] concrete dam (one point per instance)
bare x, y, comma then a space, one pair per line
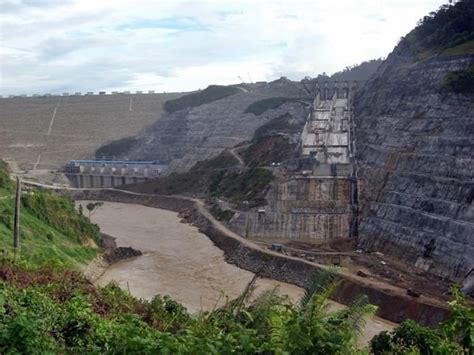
318, 202
110, 173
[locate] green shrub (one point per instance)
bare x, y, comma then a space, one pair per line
246, 185
259, 107
59, 212
49, 312
209, 94
455, 336
5, 181
460, 81
220, 214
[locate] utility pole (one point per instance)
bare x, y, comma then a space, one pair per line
16, 229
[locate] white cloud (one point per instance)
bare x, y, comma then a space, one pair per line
56, 46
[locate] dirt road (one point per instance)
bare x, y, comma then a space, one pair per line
181, 262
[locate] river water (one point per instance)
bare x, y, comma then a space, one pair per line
179, 261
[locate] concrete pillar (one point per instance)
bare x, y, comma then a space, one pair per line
108, 181
326, 91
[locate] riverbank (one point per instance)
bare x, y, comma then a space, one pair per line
111, 255
177, 259
393, 302
183, 263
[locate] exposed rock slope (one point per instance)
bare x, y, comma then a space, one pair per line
415, 152
190, 135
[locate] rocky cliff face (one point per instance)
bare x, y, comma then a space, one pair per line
415, 155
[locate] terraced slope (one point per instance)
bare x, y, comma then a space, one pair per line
46, 132
195, 134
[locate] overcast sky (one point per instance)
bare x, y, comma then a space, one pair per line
61, 46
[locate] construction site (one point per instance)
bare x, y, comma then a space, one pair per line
311, 207
318, 202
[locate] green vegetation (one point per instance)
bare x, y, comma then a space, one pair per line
462, 49
46, 311
267, 150
239, 186
66, 314
217, 177
270, 143
221, 176
460, 81
446, 28
219, 213
209, 94
454, 336
282, 124
5, 182
115, 148
196, 180
259, 107
92, 207
52, 233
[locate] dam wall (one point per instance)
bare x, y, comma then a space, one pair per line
110, 173
309, 209
86, 181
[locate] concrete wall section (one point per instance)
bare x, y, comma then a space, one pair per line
306, 209
86, 181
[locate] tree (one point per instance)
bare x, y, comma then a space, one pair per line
92, 207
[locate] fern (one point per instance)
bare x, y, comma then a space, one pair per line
320, 281
358, 312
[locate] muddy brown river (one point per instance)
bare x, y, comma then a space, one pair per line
181, 262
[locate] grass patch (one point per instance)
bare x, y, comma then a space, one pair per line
49, 236
239, 186
259, 107
459, 81
462, 49
51, 231
210, 94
